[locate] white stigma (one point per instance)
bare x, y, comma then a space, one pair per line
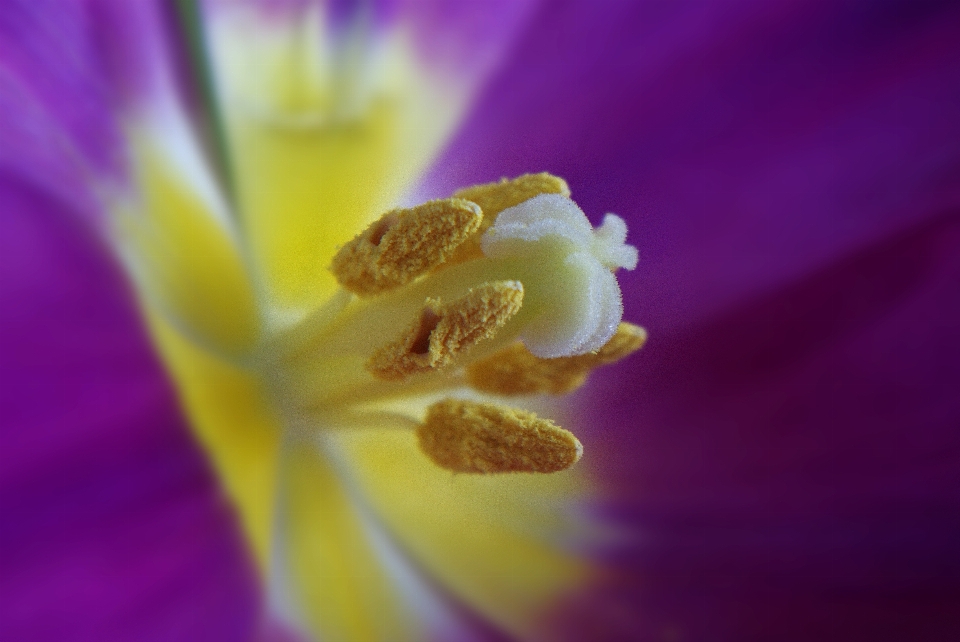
582, 305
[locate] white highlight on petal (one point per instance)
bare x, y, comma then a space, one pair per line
582, 301
164, 128
421, 597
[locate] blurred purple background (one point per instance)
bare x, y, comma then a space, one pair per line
784, 455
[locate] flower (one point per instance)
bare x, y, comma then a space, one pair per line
327, 387
792, 171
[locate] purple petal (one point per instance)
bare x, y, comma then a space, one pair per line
50, 49
747, 143
791, 173
461, 39
794, 464
466, 38
113, 525
86, 64
35, 149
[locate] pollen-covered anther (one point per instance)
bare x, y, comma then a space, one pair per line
469, 437
403, 244
515, 371
443, 332
493, 198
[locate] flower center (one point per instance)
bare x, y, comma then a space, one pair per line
505, 288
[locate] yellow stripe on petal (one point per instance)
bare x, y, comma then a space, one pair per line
334, 580
232, 417
497, 542
299, 197
182, 253
324, 137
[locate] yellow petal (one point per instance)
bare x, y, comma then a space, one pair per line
498, 542
180, 249
332, 578
321, 144
231, 416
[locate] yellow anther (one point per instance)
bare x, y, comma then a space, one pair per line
469, 437
403, 244
514, 371
493, 198
445, 331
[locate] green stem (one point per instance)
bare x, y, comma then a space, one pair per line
211, 117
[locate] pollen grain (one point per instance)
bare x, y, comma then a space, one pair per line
443, 332
403, 244
515, 371
470, 437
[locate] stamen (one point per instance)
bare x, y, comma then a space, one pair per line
493, 198
469, 437
403, 244
442, 332
515, 371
